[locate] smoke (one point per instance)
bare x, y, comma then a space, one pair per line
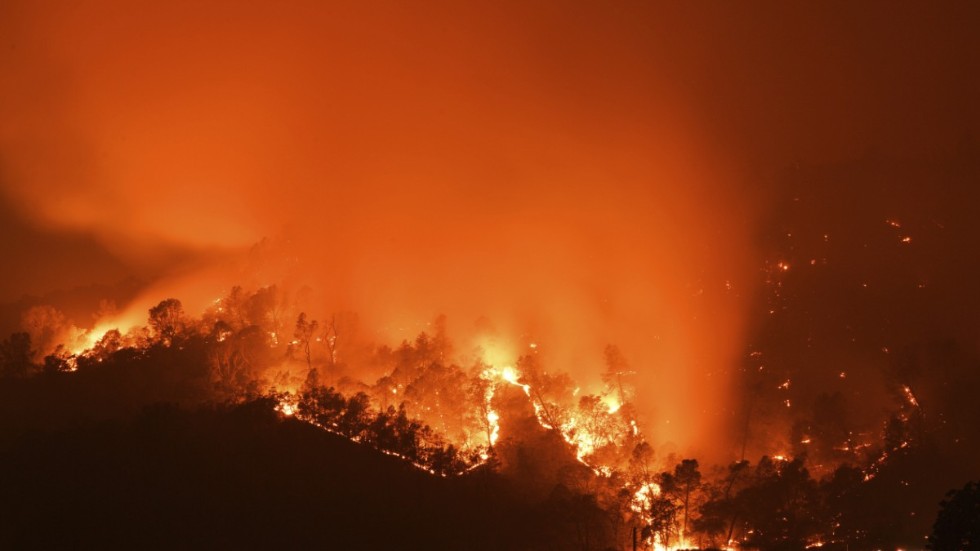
405, 164
573, 174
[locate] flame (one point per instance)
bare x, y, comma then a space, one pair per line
583, 439
286, 408
640, 503
612, 403
89, 338
601, 421
643, 497
909, 396
493, 418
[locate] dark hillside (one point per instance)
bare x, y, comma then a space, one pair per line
242, 478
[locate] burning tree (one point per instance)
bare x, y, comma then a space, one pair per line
617, 370
521, 419
549, 393
303, 337
167, 320
438, 395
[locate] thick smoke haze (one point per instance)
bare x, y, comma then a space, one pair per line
576, 174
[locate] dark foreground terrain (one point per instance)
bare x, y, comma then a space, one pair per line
242, 478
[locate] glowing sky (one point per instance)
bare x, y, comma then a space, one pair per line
581, 173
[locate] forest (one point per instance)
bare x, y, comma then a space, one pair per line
189, 427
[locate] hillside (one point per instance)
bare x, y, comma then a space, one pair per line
245, 477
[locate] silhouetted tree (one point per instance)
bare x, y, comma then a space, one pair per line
57, 361
381, 432
385, 392
850, 508
779, 506
663, 518
957, 526
303, 335
688, 480
47, 326
166, 319
355, 416
548, 391
322, 405
15, 355
441, 345
340, 336
446, 460
478, 388
109, 343
616, 370
409, 435
233, 308
728, 505
266, 309
438, 395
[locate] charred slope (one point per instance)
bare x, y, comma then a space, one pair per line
244, 478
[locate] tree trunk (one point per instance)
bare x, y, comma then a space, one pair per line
687, 496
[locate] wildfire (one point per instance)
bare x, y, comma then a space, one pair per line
583, 437
612, 403
510, 375
595, 426
493, 418
494, 421
909, 396
286, 408
643, 497
87, 340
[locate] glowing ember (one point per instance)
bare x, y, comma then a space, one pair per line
286, 407
909, 396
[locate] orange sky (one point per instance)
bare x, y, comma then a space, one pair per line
580, 173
